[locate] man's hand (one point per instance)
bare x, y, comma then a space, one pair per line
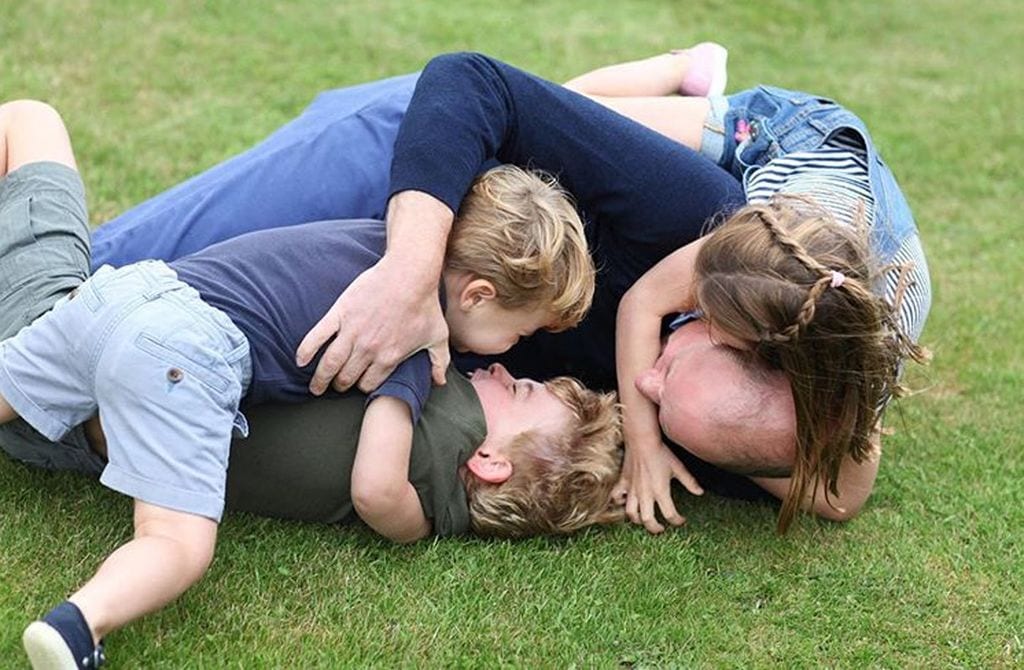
378, 322
391, 310
646, 486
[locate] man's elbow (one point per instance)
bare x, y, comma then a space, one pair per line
465, 68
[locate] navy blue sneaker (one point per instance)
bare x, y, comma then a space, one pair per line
62, 641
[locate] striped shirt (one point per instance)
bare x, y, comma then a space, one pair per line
836, 177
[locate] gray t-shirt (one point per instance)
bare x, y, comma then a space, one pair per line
297, 461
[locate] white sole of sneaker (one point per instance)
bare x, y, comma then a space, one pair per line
720, 71
46, 649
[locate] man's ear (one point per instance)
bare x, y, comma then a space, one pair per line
476, 292
489, 465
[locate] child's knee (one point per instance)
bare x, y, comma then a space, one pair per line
29, 109
192, 537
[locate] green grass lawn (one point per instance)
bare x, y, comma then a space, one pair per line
930, 575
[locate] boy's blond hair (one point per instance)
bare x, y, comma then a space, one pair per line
520, 231
558, 485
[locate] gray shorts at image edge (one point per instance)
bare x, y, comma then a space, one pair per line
44, 254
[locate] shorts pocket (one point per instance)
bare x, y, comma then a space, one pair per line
15, 226
188, 358
15, 238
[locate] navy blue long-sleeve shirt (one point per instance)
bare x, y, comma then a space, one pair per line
641, 195
276, 284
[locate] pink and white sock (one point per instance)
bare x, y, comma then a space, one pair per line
706, 74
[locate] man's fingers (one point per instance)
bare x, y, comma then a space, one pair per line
440, 357
374, 375
325, 329
336, 354
353, 368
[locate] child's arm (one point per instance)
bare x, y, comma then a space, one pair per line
649, 465
856, 480
656, 76
381, 492
646, 92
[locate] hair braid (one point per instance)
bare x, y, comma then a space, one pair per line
767, 277
770, 220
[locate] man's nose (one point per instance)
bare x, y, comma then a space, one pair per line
650, 383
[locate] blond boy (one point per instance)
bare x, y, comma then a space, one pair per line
166, 353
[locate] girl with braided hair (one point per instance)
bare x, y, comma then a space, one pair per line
821, 276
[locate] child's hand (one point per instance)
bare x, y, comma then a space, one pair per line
650, 466
647, 475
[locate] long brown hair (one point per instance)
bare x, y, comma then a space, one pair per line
796, 285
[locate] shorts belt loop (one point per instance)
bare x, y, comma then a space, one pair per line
158, 278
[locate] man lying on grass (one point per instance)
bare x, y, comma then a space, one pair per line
166, 353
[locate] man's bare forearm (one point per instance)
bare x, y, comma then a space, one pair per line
418, 228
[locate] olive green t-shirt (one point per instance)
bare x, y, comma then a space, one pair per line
297, 461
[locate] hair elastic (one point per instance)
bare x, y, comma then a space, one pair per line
837, 279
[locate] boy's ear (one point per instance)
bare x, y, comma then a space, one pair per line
490, 466
476, 292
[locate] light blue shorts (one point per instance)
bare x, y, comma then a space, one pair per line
165, 370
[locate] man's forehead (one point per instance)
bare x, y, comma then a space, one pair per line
701, 377
714, 392
690, 345
691, 333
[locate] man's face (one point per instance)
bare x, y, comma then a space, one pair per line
715, 405
512, 406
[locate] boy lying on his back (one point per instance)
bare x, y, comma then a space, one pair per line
166, 353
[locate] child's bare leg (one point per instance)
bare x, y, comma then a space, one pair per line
32, 131
645, 90
169, 553
7, 413
699, 71
656, 76
680, 119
